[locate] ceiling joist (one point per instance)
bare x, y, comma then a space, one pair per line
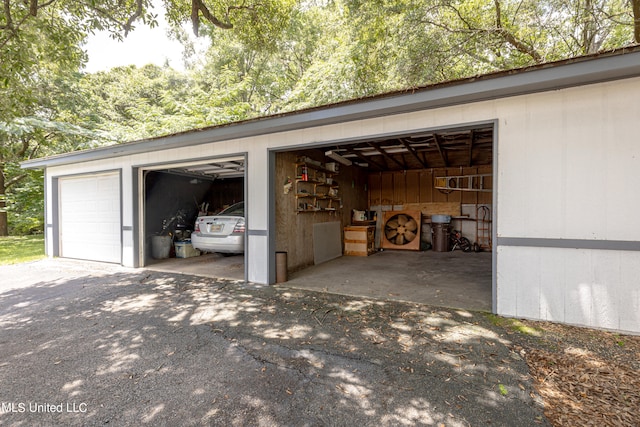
451, 148
437, 138
387, 155
364, 158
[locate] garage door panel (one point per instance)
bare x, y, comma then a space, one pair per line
90, 219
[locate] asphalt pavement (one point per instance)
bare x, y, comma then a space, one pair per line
97, 344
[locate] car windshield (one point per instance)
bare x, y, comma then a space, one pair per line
234, 210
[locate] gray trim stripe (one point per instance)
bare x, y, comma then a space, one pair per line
257, 232
127, 228
536, 242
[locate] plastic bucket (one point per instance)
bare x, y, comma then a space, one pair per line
440, 219
160, 246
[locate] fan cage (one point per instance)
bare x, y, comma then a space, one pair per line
401, 230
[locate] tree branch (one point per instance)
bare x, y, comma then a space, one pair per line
132, 18
512, 40
636, 20
14, 28
7, 14
25, 146
198, 6
13, 181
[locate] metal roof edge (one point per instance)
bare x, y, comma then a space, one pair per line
619, 64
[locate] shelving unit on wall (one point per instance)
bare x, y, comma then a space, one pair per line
316, 189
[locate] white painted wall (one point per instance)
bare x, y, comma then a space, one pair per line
596, 288
584, 142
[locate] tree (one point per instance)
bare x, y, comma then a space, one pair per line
266, 56
57, 120
40, 47
635, 5
40, 42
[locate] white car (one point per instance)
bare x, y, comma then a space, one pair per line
222, 233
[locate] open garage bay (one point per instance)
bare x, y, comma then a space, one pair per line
449, 279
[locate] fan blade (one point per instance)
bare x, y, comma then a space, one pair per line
391, 234
412, 225
402, 219
400, 239
409, 236
392, 224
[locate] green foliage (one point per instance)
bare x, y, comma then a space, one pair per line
257, 23
25, 204
265, 57
514, 325
503, 390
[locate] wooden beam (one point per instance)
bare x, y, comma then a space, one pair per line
413, 152
442, 156
471, 136
364, 158
387, 155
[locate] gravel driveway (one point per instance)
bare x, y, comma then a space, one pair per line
95, 344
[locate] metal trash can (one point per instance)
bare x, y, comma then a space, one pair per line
440, 236
160, 246
281, 267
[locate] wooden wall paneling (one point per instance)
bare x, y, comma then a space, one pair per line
294, 231
454, 196
435, 208
412, 180
426, 186
284, 221
469, 197
353, 183
486, 197
399, 188
439, 196
386, 188
375, 185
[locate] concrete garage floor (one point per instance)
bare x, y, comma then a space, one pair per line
447, 279
207, 265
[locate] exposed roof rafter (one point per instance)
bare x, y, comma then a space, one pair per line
412, 150
437, 138
387, 155
364, 158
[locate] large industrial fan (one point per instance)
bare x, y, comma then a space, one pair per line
401, 230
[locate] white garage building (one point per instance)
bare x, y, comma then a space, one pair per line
563, 153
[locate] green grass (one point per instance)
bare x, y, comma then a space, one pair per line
514, 325
503, 389
17, 249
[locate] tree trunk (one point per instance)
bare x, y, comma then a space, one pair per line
4, 226
636, 20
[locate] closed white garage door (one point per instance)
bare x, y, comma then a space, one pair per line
89, 217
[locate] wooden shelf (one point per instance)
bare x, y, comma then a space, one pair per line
315, 167
312, 193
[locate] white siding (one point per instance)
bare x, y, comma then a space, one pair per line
596, 288
567, 168
568, 163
